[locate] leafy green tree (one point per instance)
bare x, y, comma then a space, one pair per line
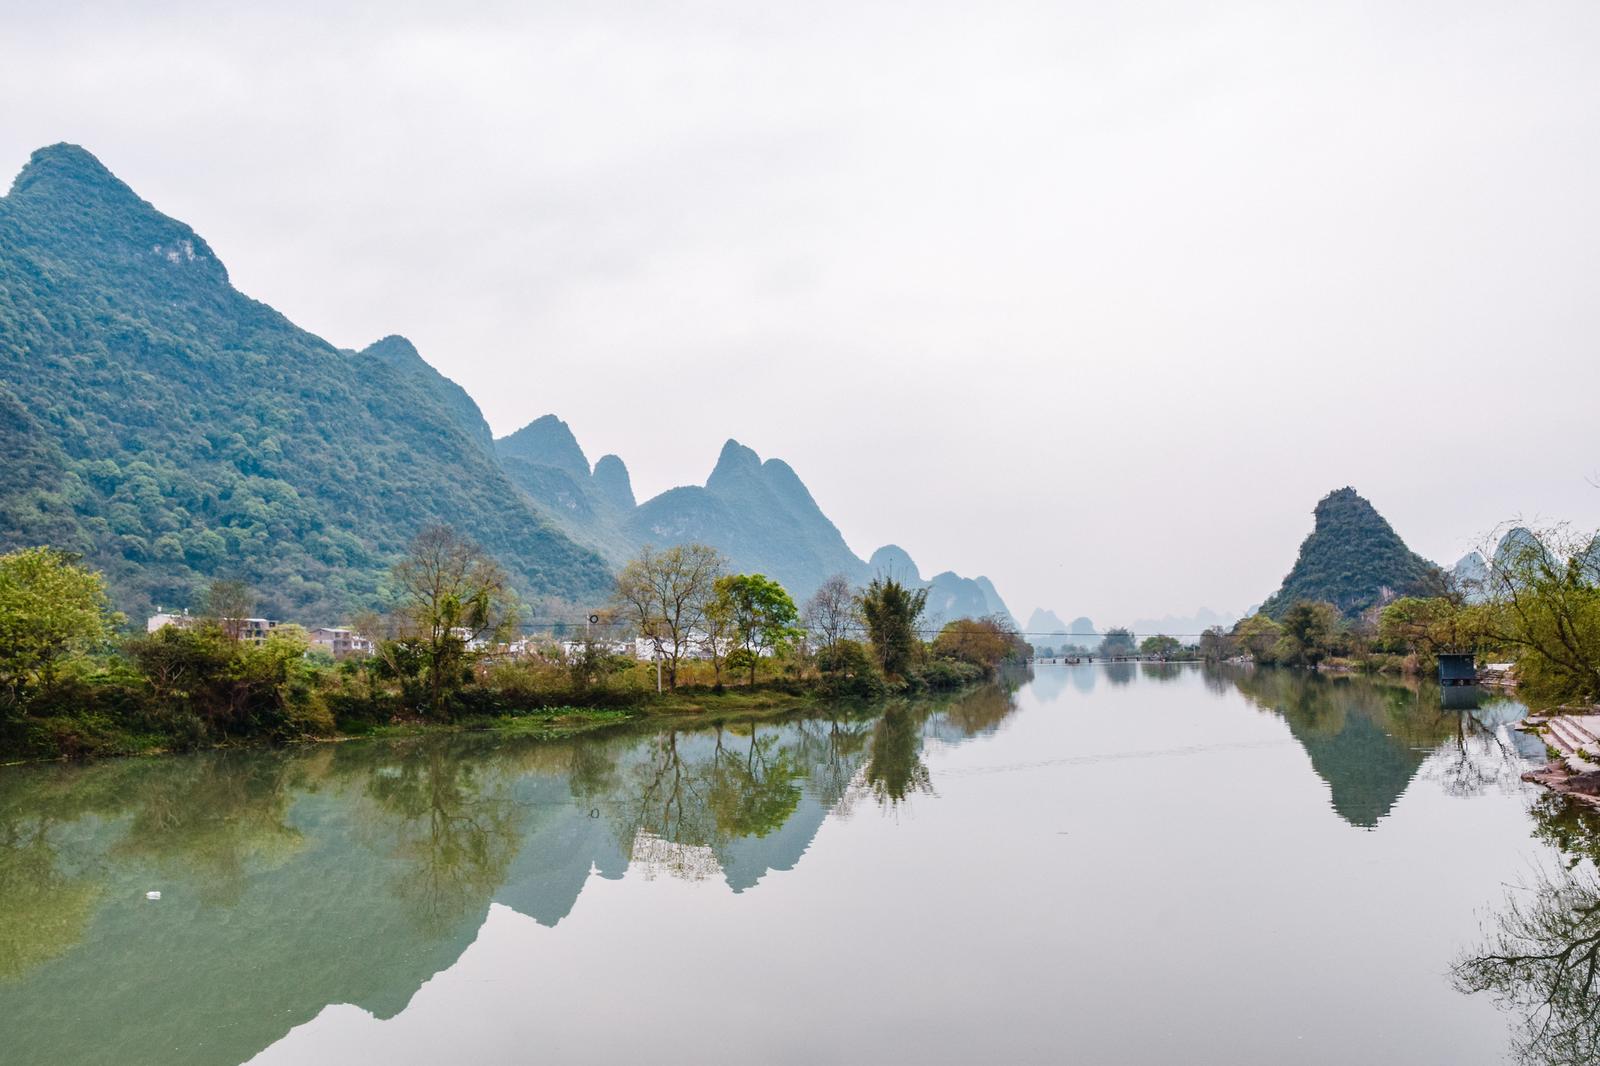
206, 686
53, 610
453, 598
1309, 632
1258, 635
850, 668
891, 612
1426, 626
1544, 605
764, 618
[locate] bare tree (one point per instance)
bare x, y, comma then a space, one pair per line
665, 593
831, 614
452, 597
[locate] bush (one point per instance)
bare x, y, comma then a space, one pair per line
850, 670
949, 673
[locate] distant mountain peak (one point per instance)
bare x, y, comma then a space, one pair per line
735, 463
891, 560
399, 354
62, 165
72, 203
547, 441
611, 480
393, 346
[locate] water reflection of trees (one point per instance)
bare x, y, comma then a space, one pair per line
895, 769
214, 818
694, 791
44, 910
401, 845
1121, 673
455, 824
1540, 959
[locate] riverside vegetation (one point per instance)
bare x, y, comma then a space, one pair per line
1536, 604
448, 651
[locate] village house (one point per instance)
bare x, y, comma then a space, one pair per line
340, 642
254, 630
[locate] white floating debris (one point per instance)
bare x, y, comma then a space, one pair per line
152, 895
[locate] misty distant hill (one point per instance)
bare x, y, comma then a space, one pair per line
950, 596
1186, 627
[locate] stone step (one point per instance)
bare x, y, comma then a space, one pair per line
1588, 725
1571, 740
1564, 738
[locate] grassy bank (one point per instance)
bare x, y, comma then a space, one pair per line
89, 734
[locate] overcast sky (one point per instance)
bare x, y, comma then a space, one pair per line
1097, 299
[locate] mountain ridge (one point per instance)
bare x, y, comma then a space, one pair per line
172, 429
176, 430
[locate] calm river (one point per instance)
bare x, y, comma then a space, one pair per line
1100, 864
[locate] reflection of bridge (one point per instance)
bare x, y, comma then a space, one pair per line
1075, 660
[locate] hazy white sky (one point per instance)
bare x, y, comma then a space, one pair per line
1097, 299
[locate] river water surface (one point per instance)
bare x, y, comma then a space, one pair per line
1096, 863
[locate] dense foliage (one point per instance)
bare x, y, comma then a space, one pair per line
168, 428
1352, 559
446, 650
891, 612
52, 611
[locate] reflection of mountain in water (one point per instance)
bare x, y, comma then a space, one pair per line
1366, 739
352, 874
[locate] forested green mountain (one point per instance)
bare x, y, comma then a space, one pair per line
1350, 558
170, 428
402, 357
758, 513
545, 461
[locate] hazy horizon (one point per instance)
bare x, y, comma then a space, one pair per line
1098, 303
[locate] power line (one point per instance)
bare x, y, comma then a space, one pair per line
586, 624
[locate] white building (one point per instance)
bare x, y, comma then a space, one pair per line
254, 630
340, 642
